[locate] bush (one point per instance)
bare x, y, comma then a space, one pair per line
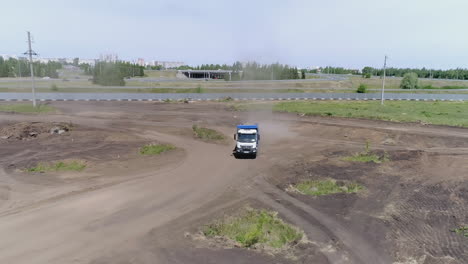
410, 81
109, 74
362, 88
367, 75
54, 87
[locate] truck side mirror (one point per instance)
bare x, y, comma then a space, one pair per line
235, 137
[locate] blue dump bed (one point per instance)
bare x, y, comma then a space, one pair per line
247, 127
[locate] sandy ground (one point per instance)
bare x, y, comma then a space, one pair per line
125, 208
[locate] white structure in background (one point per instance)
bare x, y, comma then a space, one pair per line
7, 56
91, 62
167, 64
111, 57
141, 62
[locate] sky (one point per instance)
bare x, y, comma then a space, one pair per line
302, 33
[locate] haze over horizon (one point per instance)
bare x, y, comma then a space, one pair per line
301, 33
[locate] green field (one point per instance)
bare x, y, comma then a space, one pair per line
438, 113
394, 83
76, 82
79, 83
160, 74
26, 108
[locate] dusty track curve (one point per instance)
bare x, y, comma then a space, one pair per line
79, 227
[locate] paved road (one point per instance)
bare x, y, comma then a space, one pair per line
215, 96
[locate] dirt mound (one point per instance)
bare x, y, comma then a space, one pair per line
30, 130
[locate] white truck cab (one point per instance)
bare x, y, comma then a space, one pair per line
247, 139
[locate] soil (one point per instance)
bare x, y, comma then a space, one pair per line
31, 130
129, 208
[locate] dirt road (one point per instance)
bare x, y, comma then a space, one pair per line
136, 210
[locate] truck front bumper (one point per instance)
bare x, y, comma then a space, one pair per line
246, 151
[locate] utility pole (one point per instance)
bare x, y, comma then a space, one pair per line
383, 80
30, 52
19, 67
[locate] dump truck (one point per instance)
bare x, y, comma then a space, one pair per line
247, 138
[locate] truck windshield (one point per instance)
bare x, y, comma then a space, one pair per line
246, 137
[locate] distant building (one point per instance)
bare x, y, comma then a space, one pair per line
6, 56
167, 64
112, 57
141, 62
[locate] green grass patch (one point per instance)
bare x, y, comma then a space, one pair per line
438, 113
58, 166
255, 227
155, 149
446, 87
463, 230
54, 88
325, 187
243, 107
26, 108
226, 99
207, 133
367, 156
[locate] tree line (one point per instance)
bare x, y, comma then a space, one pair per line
335, 70
255, 71
460, 74
20, 68
113, 73
251, 70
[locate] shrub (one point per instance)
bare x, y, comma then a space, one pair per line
54, 87
362, 88
410, 81
367, 75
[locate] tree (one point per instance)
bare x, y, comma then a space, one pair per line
14, 67
108, 74
362, 89
410, 81
76, 61
303, 76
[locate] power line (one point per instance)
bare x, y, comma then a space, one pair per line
30, 52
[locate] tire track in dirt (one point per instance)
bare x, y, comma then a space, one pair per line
348, 246
152, 201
